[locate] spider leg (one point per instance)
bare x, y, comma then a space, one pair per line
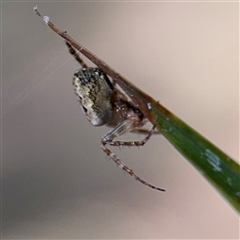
144, 131
122, 128
126, 168
74, 53
77, 57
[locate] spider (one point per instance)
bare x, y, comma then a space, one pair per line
104, 104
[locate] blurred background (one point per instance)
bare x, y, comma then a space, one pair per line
56, 181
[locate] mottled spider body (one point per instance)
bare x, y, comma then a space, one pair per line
103, 104
95, 92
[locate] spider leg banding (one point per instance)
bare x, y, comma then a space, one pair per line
108, 138
126, 168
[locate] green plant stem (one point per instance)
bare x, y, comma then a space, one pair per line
222, 171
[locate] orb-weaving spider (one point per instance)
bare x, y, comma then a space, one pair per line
104, 104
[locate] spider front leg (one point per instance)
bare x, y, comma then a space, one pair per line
77, 57
74, 53
119, 130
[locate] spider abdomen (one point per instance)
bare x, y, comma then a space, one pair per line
94, 90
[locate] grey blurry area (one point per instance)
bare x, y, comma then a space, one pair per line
56, 181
